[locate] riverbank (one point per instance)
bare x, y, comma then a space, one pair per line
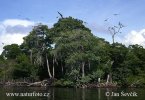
56, 83
25, 83
52, 83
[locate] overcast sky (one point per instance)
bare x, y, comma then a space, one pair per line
18, 16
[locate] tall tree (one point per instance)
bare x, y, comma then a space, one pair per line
38, 42
64, 25
115, 30
76, 47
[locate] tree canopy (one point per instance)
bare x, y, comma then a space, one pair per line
70, 53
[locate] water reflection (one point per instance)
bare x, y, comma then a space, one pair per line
99, 94
70, 93
83, 94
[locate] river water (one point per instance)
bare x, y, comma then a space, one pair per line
39, 93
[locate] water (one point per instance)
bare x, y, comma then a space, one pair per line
71, 93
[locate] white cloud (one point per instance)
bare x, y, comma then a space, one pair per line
18, 29
7, 39
135, 37
13, 31
14, 22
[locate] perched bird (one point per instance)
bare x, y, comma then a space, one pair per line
121, 25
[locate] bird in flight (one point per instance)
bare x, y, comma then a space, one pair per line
60, 14
106, 19
115, 14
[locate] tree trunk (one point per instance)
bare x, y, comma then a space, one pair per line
108, 76
99, 80
113, 38
31, 56
53, 68
89, 65
83, 69
49, 73
62, 68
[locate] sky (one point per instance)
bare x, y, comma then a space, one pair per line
18, 16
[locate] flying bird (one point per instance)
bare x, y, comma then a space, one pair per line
106, 19
60, 14
115, 14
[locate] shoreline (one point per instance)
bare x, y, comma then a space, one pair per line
50, 83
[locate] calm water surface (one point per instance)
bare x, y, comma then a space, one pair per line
71, 93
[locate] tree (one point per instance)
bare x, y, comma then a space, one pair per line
63, 25
23, 68
11, 51
76, 47
68, 24
115, 30
118, 52
38, 42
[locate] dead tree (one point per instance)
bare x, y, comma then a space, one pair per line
115, 30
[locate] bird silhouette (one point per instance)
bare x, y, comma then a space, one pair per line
115, 14
60, 14
121, 25
106, 19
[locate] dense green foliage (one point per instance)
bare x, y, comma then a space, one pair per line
70, 53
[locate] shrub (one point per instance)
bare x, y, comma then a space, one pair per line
85, 79
63, 82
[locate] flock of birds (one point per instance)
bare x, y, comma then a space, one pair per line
108, 18
120, 25
61, 16
29, 19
